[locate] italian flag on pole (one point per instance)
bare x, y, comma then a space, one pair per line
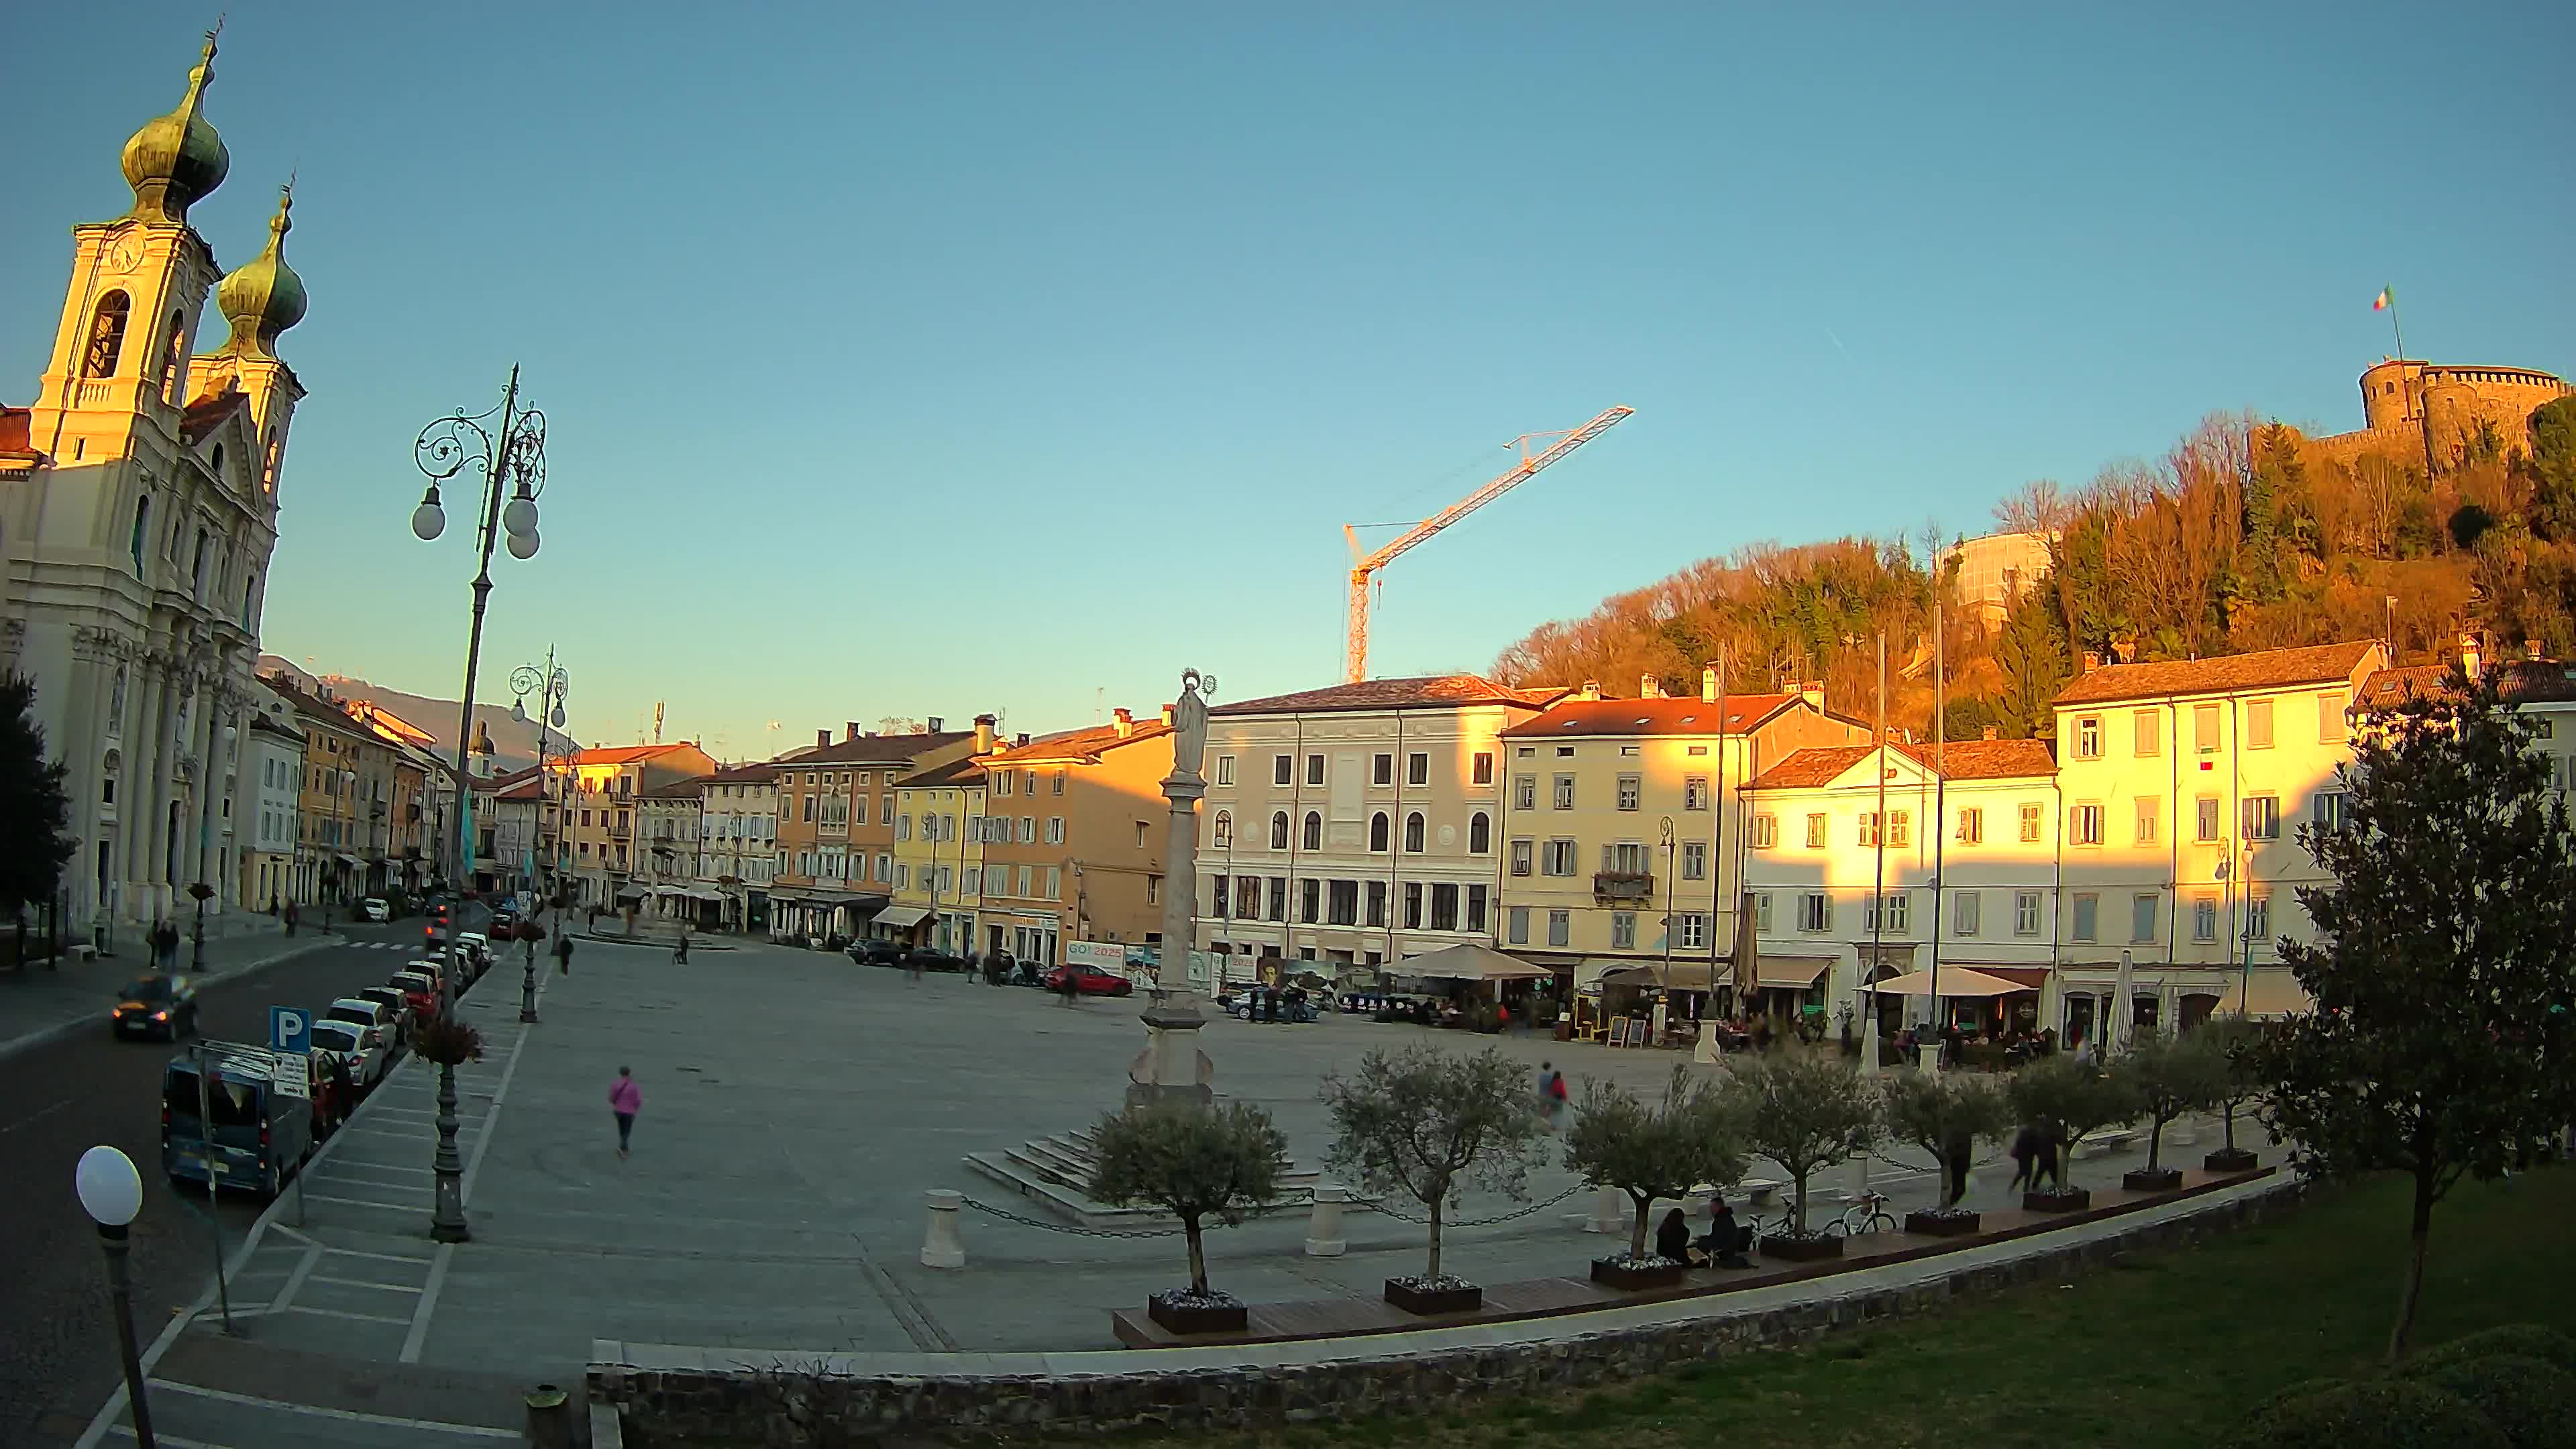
2387, 297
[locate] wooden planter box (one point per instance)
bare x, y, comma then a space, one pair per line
1803, 1250
1193, 1317
2230, 1159
1615, 1273
2059, 1200
1941, 1225
1466, 1298
2162, 1179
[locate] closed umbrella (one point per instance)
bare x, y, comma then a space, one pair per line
2115, 1036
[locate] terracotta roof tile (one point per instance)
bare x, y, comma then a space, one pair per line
875, 749
2224, 674
691, 788
2535, 681
17, 442
967, 770
624, 754
1087, 743
1434, 691
208, 413
1688, 715
1960, 760
763, 773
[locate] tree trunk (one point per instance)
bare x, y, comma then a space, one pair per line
1637, 1234
1798, 1203
2156, 1145
2421, 1232
2227, 1123
1198, 1254
1433, 1270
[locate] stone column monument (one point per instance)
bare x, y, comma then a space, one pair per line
1172, 1067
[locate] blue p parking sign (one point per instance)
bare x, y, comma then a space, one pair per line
290, 1029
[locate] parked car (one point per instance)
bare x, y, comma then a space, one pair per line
256, 1136
877, 953
1262, 1003
360, 1048
155, 1005
931, 958
477, 950
1090, 982
504, 922
359, 1011
420, 992
392, 996
374, 909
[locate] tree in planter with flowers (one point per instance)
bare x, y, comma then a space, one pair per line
1195, 1162
1805, 1113
1652, 1150
1424, 1122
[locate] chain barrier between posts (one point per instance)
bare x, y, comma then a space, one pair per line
1522, 1212
1071, 1230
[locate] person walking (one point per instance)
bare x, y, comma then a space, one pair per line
680, 952
292, 916
625, 1099
563, 954
2025, 1156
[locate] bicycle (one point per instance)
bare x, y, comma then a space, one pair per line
1868, 1214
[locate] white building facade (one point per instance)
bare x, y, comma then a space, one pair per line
275, 763
1297, 787
137, 546
738, 841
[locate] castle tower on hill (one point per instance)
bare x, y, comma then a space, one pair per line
2413, 409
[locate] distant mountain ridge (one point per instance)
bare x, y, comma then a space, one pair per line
514, 740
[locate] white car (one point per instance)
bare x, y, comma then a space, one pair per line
374, 909
362, 1047
359, 1011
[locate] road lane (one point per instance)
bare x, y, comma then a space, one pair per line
57, 1344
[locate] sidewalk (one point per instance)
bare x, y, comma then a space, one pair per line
39, 1005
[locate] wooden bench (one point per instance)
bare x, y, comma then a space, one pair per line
1758, 1190
2103, 1144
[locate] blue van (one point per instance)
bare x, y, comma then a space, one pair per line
261, 1136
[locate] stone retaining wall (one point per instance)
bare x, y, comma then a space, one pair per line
800, 1399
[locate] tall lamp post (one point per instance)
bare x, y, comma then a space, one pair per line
549, 685
511, 456
111, 1192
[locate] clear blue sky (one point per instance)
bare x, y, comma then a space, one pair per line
894, 354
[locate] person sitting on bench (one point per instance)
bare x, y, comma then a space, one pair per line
1727, 1240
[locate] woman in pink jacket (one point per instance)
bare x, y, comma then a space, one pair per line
624, 1098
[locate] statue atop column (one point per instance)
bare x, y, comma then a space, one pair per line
1189, 722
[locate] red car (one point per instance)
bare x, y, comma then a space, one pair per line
1089, 982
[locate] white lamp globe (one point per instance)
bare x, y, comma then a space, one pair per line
428, 521
524, 545
111, 1191
519, 515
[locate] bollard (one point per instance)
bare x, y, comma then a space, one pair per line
1609, 1212
941, 1247
549, 1417
1324, 1228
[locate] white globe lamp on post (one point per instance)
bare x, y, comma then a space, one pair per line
111, 1192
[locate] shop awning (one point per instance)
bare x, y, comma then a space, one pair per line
1468, 961
902, 917
1795, 973
1650, 975
704, 893
1956, 981
663, 890
347, 859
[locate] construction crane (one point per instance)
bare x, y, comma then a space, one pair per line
1364, 568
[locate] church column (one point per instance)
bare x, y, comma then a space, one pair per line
85, 728
178, 692
142, 793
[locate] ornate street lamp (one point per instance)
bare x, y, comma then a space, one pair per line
510, 454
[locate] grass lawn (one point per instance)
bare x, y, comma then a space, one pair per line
2169, 1349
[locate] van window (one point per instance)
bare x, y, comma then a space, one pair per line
234, 1104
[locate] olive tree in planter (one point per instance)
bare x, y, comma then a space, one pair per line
1946, 1114
1650, 1151
1805, 1113
1194, 1162
2068, 1100
2170, 1075
1425, 1122
2232, 1037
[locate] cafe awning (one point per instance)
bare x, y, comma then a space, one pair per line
347, 859
1793, 973
902, 917
1956, 981
1653, 975
1468, 961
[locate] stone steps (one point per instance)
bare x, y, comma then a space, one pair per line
1052, 1173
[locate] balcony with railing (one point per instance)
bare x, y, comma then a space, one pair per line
1622, 887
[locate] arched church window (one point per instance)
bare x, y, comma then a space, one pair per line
197, 566
219, 462
174, 360
106, 335
142, 520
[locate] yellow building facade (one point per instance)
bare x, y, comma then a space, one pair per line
938, 864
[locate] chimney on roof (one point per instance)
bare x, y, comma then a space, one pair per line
1649, 687
2468, 655
872, 734
935, 722
1591, 690
1019, 739
2531, 650
1122, 721
1990, 732
1708, 685
822, 738
983, 734
1812, 691
2092, 661
849, 730
1167, 716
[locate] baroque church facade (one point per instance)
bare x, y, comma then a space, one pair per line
138, 514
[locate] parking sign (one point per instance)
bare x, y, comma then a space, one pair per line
290, 1029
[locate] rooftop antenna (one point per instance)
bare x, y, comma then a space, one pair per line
1099, 693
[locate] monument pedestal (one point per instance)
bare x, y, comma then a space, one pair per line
1172, 1068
